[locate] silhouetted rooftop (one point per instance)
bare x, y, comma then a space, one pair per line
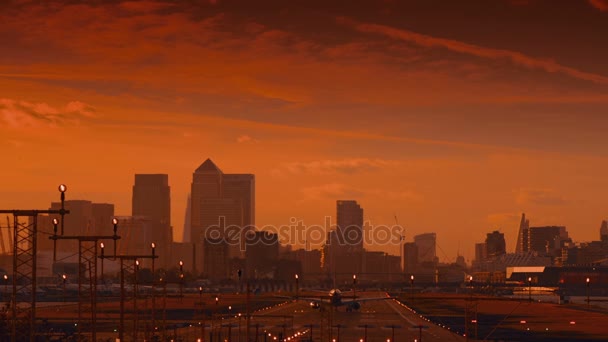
208, 166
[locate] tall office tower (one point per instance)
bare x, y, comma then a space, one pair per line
427, 247
102, 218
152, 200
495, 244
345, 243
604, 232
522, 236
480, 252
216, 195
410, 253
187, 221
78, 222
545, 240
262, 254
350, 225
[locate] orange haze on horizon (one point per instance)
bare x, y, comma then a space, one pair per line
453, 117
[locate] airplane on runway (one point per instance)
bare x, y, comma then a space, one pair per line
336, 299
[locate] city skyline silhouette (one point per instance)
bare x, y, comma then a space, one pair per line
453, 119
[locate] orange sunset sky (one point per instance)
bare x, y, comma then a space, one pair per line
455, 116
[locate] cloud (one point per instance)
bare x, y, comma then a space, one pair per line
336, 191
246, 139
331, 190
28, 114
602, 5
502, 219
514, 57
546, 197
344, 166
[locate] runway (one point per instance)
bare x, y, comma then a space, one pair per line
385, 320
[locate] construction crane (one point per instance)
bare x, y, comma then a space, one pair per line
2, 247
401, 239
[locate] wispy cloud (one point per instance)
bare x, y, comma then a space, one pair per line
533, 196
344, 166
602, 5
331, 191
514, 57
336, 191
29, 114
245, 139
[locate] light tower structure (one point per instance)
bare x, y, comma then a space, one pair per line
24, 268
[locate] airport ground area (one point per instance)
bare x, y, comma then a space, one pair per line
274, 317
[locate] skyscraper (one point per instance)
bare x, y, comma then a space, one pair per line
216, 195
427, 247
544, 240
604, 232
480, 252
522, 235
345, 243
350, 224
410, 252
495, 244
152, 200
85, 218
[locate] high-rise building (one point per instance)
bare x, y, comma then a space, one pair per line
604, 232
216, 195
544, 240
522, 235
345, 242
495, 244
262, 254
480, 252
78, 222
410, 253
152, 200
103, 213
350, 225
427, 247
216, 261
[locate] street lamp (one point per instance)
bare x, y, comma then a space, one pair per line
530, 289
64, 277
55, 222
5, 277
200, 296
412, 287
354, 286
181, 280
115, 236
588, 283
219, 328
102, 252
297, 286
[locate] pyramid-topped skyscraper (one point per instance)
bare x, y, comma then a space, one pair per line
220, 200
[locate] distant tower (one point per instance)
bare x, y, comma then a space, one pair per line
427, 247
188, 221
216, 195
522, 245
152, 200
495, 244
604, 232
350, 224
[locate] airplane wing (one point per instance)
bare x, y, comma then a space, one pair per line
361, 300
320, 299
